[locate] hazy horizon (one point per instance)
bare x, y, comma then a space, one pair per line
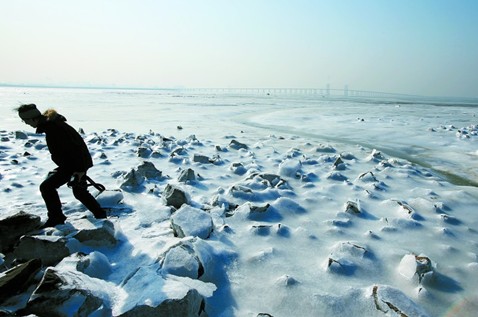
425, 48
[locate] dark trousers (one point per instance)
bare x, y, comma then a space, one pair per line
57, 178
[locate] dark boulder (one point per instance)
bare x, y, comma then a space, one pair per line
18, 279
174, 196
14, 226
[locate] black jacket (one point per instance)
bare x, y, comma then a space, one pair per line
66, 146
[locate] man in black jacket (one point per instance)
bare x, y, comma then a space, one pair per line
70, 153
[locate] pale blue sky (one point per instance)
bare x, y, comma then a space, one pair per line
426, 47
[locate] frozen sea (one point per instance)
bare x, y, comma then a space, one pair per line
307, 255
425, 133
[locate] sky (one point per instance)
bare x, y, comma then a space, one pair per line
426, 47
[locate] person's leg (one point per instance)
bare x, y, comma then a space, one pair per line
48, 189
80, 191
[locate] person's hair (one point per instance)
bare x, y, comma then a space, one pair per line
26, 107
28, 111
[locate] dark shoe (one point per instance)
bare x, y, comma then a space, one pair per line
52, 223
100, 215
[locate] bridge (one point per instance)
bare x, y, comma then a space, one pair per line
319, 92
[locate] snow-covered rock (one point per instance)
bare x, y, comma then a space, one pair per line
70, 293
190, 221
175, 196
50, 249
158, 295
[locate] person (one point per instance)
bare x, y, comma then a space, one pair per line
70, 153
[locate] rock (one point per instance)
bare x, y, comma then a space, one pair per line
347, 257
190, 221
387, 299
325, 148
143, 152
174, 196
149, 171
352, 207
238, 168
191, 305
336, 176
99, 233
339, 164
221, 202
198, 158
375, 156
367, 177
290, 168
186, 175
20, 135
181, 260
178, 152
237, 145
132, 180
95, 264
287, 280
272, 179
110, 198
259, 209
50, 249
14, 226
18, 279
62, 292
170, 296
412, 265
261, 230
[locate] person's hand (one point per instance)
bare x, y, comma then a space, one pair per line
79, 175
76, 179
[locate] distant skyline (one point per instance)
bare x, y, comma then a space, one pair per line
426, 47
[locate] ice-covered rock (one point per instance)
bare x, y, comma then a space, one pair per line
203, 159
190, 221
50, 249
237, 145
132, 180
97, 233
290, 168
286, 206
286, 280
413, 266
238, 168
174, 196
347, 257
336, 176
186, 175
325, 148
110, 198
70, 293
339, 164
388, 299
375, 156
178, 296
143, 152
352, 207
95, 264
148, 171
182, 260
367, 177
